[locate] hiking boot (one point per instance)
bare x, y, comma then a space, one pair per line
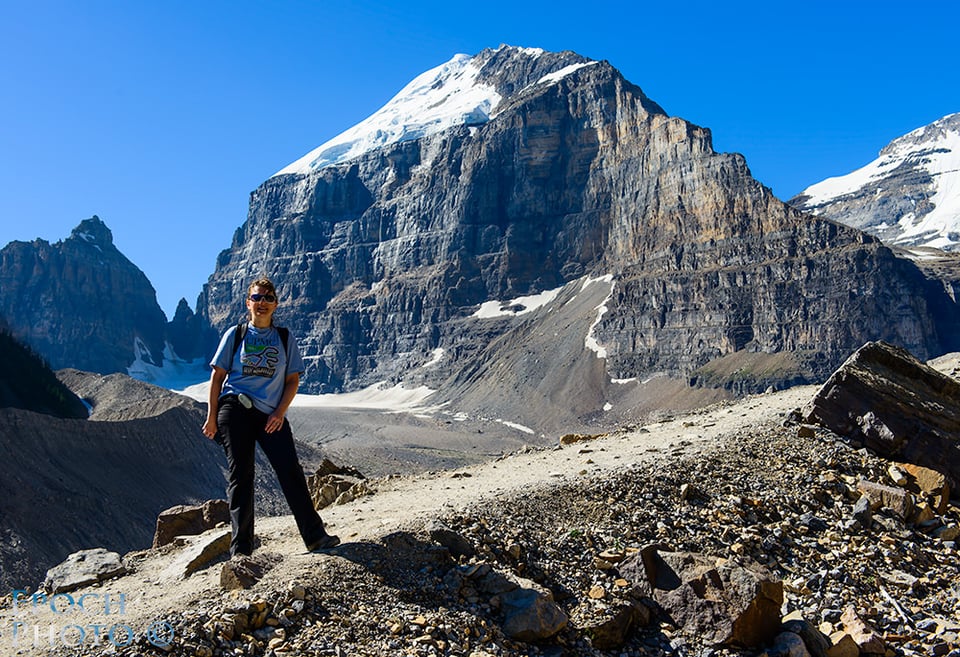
324, 542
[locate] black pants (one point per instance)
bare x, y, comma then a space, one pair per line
240, 430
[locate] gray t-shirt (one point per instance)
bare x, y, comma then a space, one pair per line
259, 366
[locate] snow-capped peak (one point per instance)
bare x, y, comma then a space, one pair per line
440, 98
909, 195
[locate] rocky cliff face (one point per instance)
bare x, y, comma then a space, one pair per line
80, 302
384, 257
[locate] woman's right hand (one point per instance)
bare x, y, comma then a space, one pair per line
217, 377
210, 427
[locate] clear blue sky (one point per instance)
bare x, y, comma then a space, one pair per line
162, 117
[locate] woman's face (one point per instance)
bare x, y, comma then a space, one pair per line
261, 304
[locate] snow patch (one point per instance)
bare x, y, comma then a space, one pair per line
380, 396
514, 425
591, 342
435, 358
518, 306
87, 237
175, 374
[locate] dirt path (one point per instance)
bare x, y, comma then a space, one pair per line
154, 591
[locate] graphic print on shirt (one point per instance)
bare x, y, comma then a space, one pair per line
259, 359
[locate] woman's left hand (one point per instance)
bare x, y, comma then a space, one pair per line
274, 423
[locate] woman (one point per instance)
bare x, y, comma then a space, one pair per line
255, 376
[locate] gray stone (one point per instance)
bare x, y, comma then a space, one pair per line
787, 644
862, 513
82, 569
622, 621
458, 545
817, 644
897, 500
530, 614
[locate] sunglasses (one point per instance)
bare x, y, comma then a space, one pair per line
269, 298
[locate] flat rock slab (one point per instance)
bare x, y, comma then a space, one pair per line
199, 551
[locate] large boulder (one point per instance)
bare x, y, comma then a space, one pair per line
530, 614
528, 609
723, 601
885, 399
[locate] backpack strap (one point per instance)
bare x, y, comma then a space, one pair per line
239, 334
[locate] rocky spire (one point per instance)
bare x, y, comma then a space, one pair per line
93, 231
80, 302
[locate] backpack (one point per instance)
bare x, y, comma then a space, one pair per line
241, 331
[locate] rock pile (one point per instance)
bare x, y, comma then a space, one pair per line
333, 484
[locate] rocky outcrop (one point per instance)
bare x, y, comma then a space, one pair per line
334, 485
197, 553
884, 398
188, 335
118, 397
80, 302
384, 258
